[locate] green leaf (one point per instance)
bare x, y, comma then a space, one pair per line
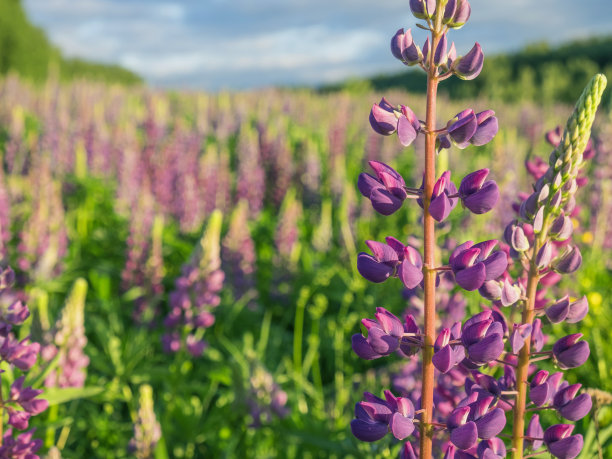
56, 395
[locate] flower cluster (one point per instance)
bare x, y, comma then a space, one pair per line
490, 356
21, 402
196, 294
147, 430
69, 341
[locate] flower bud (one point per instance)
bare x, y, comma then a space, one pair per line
461, 14
561, 228
423, 9
510, 294
571, 407
382, 118
544, 255
469, 66
440, 55
569, 261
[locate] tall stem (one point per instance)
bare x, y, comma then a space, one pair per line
528, 315
429, 273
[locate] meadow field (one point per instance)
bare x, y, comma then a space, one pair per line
193, 256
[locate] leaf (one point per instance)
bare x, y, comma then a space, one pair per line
56, 395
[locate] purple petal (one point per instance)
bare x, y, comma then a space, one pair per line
440, 207
472, 278
368, 431
465, 436
440, 54
578, 310
389, 322
401, 427
381, 342
490, 348
405, 131
384, 202
540, 394
383, 121
382, 252
410, 275
462, 130
577, 408
534, 430
372, 269
366, 183
491, 424
469, 66
484, 199
486, 131
568, 448
495, 265
558, 312
574, 356
362, 348
444, 359
473, 182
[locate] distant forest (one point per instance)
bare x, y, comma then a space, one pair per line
539, 73
25, 50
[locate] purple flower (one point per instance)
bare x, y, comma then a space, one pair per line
540, 391
569, 352
476, 194
375, 417
405, 49
463, 433
563, 310
473, 264
393, 259
483, 338
493, 448
385, 336
383, 118
445, 355
571, 407
561, 443
462, 127
386, 192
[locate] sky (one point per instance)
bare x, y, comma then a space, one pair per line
244, 44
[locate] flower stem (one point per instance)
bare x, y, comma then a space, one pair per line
429, 273
528, 316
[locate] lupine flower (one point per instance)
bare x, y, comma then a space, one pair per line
476, 194
196, 291
441, 204
534, 430
239, 251
423, 9
457, 13
147, 431
405, 49
473, 264
386, 192
569, 352
266, 399
385, 336
69, 341
375, 417
569, 405
561, 443
391, 259
564, 310
386, 120
482, 337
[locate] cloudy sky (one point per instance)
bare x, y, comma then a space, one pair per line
236, 44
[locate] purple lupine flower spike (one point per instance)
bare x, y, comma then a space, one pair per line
478, 195
561, 443
469, 66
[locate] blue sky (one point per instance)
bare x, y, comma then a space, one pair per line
239, 44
